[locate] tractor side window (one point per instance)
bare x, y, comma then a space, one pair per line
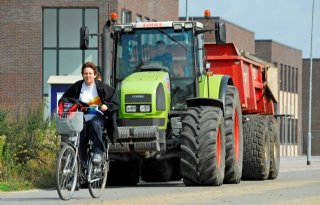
200, 53
127, 56
182, 76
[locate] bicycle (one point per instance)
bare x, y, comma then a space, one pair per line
69, 164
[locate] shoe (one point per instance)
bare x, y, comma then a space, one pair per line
96, 160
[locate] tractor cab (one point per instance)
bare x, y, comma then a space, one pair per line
171, 47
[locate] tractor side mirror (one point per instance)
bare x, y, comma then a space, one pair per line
84, 38
220, 32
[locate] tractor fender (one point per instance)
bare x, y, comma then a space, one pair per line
194, 102
225, 81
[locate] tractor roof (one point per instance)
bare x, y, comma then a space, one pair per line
160, 24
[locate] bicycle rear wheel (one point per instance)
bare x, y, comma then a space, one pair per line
97, 177
67, 172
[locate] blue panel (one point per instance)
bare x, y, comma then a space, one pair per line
55, 89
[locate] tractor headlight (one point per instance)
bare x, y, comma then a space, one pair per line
177, 27
188, 25
131, 108
117, 28
145, 108
128, 29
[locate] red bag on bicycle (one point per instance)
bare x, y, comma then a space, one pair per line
67, 105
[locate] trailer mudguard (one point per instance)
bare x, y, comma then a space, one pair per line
140, 89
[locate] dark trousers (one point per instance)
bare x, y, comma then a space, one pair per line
92, 130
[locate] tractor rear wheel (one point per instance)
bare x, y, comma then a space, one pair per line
234, 136
154, 170
256, 155
274, 148
203, 146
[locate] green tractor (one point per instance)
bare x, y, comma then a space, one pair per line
176, 120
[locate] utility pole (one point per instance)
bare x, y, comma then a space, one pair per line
187, 16
310, 93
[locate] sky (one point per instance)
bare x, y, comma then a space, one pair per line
285, 21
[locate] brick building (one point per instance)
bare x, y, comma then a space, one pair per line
41, 38
315, 120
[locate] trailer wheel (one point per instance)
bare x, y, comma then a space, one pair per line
274, 148
203, 146
154, 170
124, 173
256, 155
234, 136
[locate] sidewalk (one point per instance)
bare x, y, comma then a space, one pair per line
296, 163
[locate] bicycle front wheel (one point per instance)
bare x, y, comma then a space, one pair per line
97, 177
67, 172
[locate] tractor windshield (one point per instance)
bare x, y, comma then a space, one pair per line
155, 49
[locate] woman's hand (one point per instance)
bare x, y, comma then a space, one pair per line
103, 107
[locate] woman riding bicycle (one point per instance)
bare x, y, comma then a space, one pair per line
95, 93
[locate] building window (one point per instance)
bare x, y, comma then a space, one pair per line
125, 16
146, 19
285, 79
296, 80
289, 79
138, 18
275, 64
282, 73
61, 37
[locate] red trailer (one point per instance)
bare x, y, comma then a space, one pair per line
249, 75
257, 84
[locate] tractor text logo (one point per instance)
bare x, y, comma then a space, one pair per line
137, 96
151, 25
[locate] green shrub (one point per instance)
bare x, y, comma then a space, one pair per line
28, 149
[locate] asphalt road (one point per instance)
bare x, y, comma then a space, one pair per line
297, 184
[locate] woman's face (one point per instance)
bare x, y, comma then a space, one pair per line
88, 76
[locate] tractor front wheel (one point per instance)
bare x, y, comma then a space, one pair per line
203, 146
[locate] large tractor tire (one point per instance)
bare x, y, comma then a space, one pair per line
274, 147
123, 173
203, 146
234, 136
154, 170
256, 155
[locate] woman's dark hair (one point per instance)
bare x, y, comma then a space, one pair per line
90, 65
